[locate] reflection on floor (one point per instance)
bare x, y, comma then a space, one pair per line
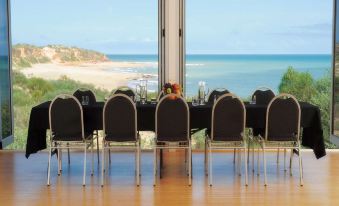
23, 182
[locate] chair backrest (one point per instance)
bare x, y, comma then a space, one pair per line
283, 119
172, 119
263, 95
66, 118
81, 92
160, 95
228, 119
216, 93
120, 119
126, 91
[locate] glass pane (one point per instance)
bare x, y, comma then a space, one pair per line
241, 46
60, 46
5, 84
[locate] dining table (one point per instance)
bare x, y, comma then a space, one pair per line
200, 118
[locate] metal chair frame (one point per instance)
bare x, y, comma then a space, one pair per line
59, 145
159, 145
134, 145
293, 145
95, 132
210, 144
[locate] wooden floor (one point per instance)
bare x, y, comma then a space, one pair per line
23, 182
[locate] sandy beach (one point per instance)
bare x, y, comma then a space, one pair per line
98, 74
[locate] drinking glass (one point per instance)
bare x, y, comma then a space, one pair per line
253, 100
153, 100
85, 100
141, 90
195, 101
202, 92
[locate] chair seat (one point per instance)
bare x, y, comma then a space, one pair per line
281, 144
72, 138
169, 143
114, 138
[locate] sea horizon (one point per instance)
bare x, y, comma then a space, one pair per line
239, 73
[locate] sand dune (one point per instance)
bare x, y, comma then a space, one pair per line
98, 74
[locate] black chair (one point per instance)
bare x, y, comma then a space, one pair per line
263, 95
216, 94
172, 128
283, 128
67, 130
83, 92
79, 94
160, 95
126, 91
227, 130
120, 128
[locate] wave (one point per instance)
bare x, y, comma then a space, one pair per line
196, 64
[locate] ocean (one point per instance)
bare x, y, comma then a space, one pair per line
240, 74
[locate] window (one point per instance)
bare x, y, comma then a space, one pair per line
5, 80
59, 46
242, 45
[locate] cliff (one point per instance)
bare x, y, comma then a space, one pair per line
25, 55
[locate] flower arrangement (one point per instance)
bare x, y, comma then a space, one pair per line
174, 88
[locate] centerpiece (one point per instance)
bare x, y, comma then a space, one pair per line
174, 88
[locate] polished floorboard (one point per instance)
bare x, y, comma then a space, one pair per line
23, 181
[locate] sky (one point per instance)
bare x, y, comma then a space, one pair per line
212, 27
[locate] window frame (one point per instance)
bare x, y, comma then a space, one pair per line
5, 141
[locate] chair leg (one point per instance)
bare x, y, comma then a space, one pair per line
102, 164
234, 156
107, 164
84, 176
109, 156
248, 153
154, 166
285, 160
138, 164
239, 162
68, 154
291, 158
189, 165
135, 162
139, 158
300, 166
210, 164
246, 164
186, 154
252, 158
258, 162
92, 153
98, 153
60, 161
264, 156
278, 152
49, 167
59, 164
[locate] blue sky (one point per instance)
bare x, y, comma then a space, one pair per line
214, 26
